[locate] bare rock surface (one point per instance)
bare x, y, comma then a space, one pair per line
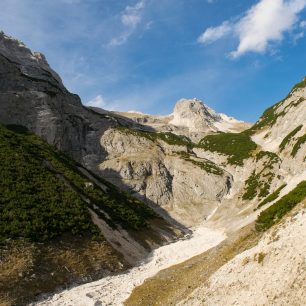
156, 173
271, 273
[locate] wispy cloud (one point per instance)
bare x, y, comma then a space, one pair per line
264, 23
130, 19
101, 102
214, 33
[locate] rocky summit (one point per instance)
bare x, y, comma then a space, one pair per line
87, 193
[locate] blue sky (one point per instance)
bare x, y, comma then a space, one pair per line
239, 57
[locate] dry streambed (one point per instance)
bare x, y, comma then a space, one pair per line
172, 285
114, 290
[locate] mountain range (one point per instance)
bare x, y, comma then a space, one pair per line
87, 192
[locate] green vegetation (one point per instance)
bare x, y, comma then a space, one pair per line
260, 257
299, 101
272, 158
253, 183
288, 138
300, 141
273, 196
270, 116
275, 212
300, 85
168, 137
237, 146
44, 194
258, 184
206, 165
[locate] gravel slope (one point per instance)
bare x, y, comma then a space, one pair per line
115, 290
271, 273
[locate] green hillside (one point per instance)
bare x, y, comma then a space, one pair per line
44, 194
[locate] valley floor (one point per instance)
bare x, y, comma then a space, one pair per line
114, 290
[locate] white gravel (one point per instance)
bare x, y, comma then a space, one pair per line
114, 290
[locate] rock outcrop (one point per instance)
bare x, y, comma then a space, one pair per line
33, 95
164, 175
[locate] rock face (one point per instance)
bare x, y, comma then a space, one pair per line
194, 115
159, 174
33, 95
191, 118
197, 116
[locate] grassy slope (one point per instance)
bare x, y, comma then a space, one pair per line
258, 184
270, 116
237, 146
275, 212
167, 137
44, 201
37, 203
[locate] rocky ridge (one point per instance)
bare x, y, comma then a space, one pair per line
191, 118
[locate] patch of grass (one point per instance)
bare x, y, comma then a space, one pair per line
260, 257
275, 212
302, 84
274, 195
206, 165
252, 184
258, 184
167, 137
270, 116
298, 102
237, 146
300, 141
288, 138
272, 158
43, 194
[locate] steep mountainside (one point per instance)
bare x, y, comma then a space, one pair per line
32, 95
246, 171
46, 196
50, 204
170, 163
131, 181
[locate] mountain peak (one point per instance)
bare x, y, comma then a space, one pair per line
16, 51
197, 116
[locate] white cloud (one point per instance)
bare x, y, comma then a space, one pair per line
130, 19
264, 23
132, 14
214, 33
303, 24
100, 102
